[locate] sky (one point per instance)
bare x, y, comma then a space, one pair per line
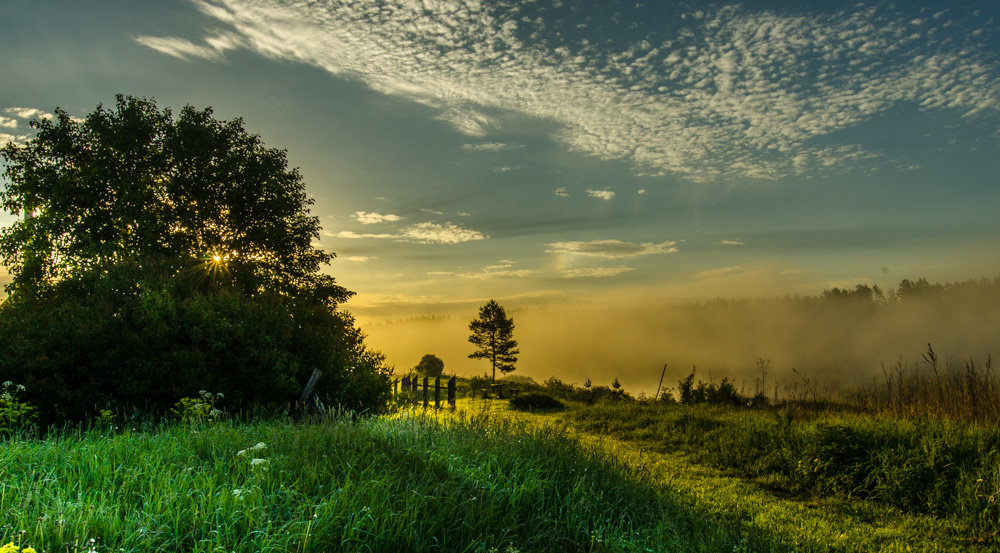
559, 153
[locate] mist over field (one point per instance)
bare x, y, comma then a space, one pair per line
836, 343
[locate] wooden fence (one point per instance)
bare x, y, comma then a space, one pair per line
410, 385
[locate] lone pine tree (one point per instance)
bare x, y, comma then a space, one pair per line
493, 336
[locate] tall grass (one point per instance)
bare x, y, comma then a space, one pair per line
969, 391
407, 483
923, 466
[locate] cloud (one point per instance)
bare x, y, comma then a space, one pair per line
351, 235
714, 274
641, 191
370, 218
357, 258
489, 272
28, 113
447, 233
611, 249
596, 272
470, 122
730, 92
427, 233
492, 147
214, 48
602, 194
736, 242
6, 138
19, 116
561, 192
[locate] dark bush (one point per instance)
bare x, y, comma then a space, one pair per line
535, 401
117, 342
723, 394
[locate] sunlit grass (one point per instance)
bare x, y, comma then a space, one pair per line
930, 482
403, 483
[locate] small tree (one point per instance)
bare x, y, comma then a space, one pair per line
430, 365
493, 336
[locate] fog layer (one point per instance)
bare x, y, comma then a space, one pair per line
834, 342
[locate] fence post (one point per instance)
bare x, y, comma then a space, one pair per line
451, 392
395, 386
405, 384
427, 393
437, 392
307, 391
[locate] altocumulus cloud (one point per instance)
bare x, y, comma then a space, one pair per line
442, 234
606, 195
611, 249
370, 218
726, 91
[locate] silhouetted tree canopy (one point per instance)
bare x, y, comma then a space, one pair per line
861, 292
430, 365
153, 256
135, 183
493, 336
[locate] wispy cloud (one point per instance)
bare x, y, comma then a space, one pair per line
351, 235
485, 275
731, 92
492, 146
426, 233
596, 272
561, 192
736, 242
213, 49
370, 218
602, 194
8, 122
611, 249
722, 272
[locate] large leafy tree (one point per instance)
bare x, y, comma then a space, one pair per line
154, 255
135, 183
493, 336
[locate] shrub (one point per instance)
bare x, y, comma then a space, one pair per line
723, 394
145, 346
535, 401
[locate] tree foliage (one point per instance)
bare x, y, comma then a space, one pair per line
156, 256
493, 336
430, 365
134, 183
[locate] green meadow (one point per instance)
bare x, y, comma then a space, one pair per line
613, 476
